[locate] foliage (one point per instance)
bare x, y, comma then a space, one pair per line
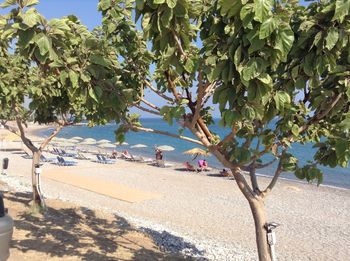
75, 71
280, 71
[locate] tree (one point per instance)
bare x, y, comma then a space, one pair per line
66, 71
278, 71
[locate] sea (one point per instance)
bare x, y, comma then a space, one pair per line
338, 177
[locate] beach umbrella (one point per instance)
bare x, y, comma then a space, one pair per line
165, 148
90, 140
103, 141
73, 141
123, 143
77, 138
196, 152
87, 142
138, 146
106, 145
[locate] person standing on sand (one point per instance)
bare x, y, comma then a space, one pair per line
159, 154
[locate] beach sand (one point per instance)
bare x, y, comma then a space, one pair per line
202, 214
69, 232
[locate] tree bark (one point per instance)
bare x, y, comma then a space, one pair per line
259, 215
38, 200
257, 208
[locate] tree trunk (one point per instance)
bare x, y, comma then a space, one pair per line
38, 200
259, 215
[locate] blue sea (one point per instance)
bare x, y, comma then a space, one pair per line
339, 177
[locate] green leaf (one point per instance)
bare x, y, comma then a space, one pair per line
8, 3
342, 8
74, 78
25, 37
332, 38
248, 113
44, 44
28, 3
284, 41
171, 3
253, 68
166, 17
104, 4
98, 59
262, 10
267, 28
158, 2
31, 17
281, 99
92, 94
189, 66
229, 7
295, 130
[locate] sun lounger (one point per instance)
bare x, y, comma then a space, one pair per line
81, 156
135, 158
67, 154
146, 160
44, 159
162, 164
63, 162
126, 156
103, 160
27, 155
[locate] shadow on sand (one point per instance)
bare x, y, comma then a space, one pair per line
77, 232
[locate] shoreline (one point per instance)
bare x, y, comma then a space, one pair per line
38, 132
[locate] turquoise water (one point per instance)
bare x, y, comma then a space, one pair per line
339, 177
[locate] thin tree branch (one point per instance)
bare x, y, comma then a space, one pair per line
172, 86
275, 176
165, 133
179, 45
147, 110
149, 85
150, 104
261, 166
48, 139
317, 117
25, 140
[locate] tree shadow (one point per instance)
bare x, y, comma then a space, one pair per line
63, 232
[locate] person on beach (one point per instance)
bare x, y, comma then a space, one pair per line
114, 154
224, 173
189, 167
159, 154
203, 165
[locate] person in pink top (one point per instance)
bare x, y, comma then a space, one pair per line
203, 165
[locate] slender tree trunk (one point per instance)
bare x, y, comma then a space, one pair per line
259, 215
38, 200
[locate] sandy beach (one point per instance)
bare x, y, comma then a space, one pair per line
198, 214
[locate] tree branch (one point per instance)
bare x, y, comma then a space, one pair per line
149, 85
275, 177
25, 140
261, 166
149, 130
150, 104
172, 86
147, 110
48, 139
317, 117
179, 45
